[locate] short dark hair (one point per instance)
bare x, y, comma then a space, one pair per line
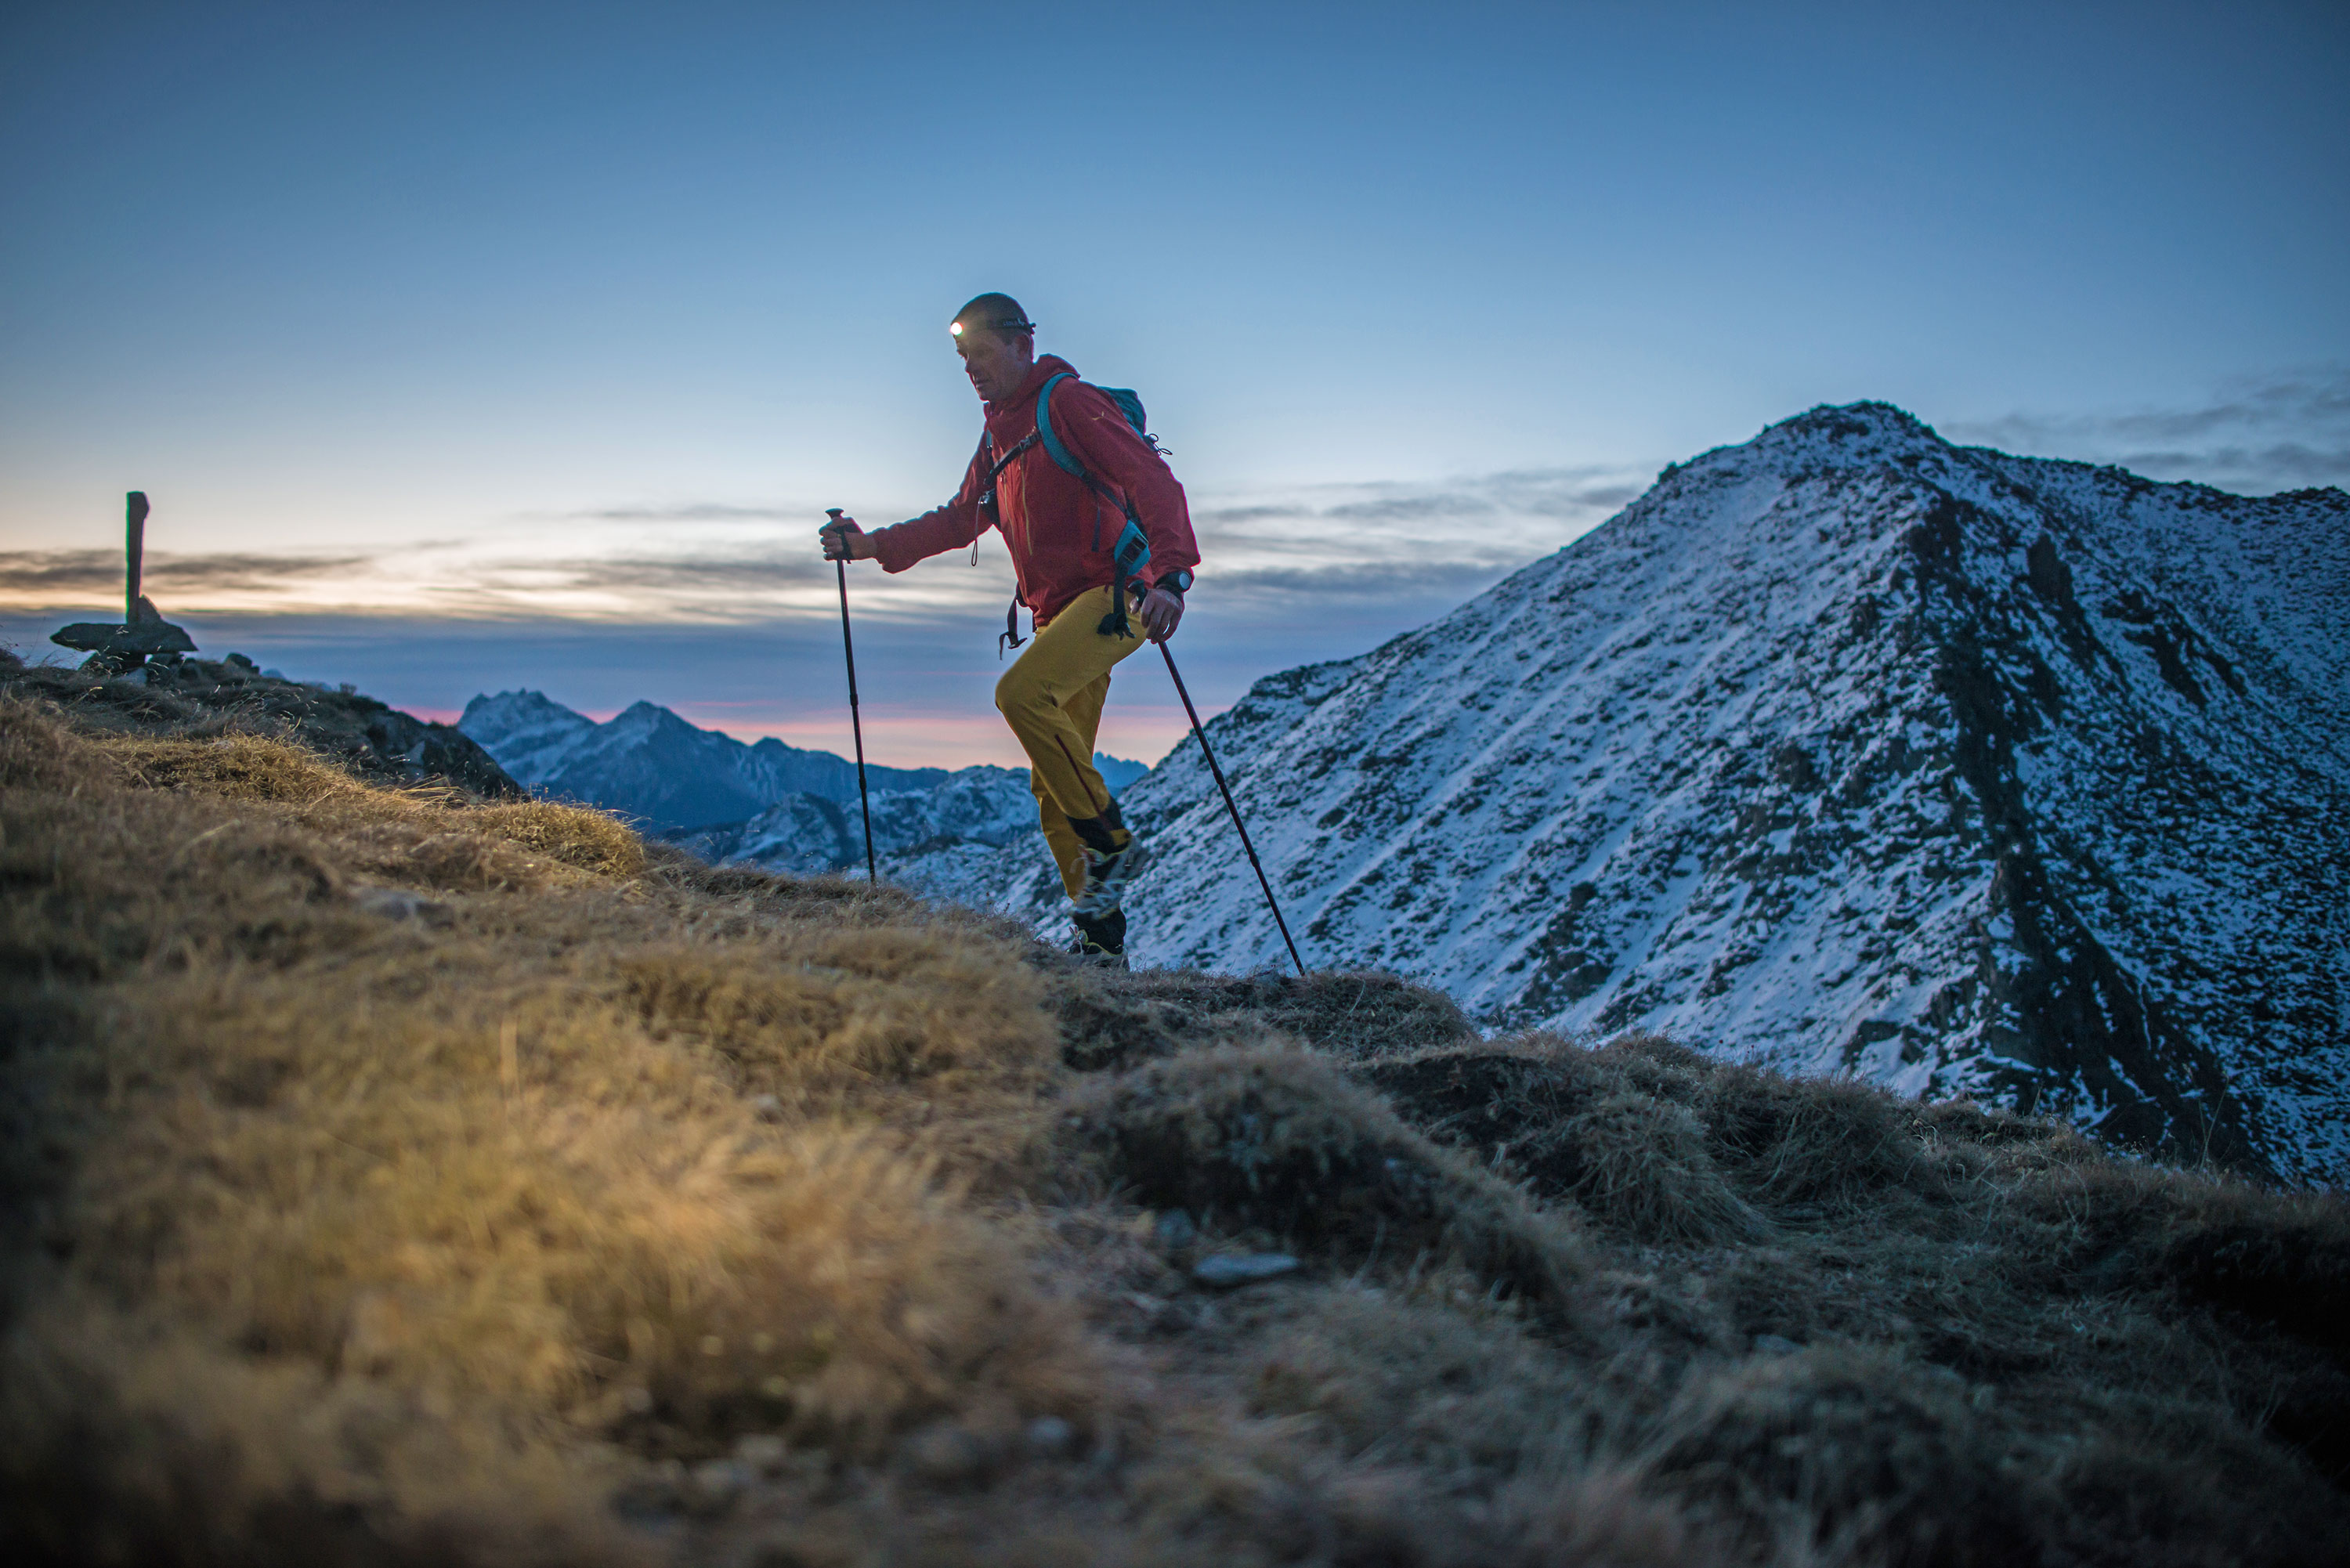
997, 313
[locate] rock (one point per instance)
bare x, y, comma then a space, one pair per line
648, 1500
714, 1486
767, 1107
1049, 1437
762, 1451
946, 1455
400, 904
2116, 1270
1229, 1269
1774, 1344
377, 1333
1175, 1231
140, 639
438, 751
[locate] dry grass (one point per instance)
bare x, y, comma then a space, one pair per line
395, 1177
497, 1152
1115, 1021
1855, 1450
1275, 1139
130, 1445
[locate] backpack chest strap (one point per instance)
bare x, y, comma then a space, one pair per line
987, 495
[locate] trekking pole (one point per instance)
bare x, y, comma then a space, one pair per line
856, 725
1233, 807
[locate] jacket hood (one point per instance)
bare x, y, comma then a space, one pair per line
1046, 366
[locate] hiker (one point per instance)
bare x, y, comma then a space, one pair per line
1077, 493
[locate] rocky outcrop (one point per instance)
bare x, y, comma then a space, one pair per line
429, 750
203, 697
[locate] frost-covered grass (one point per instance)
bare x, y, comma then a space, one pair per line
396, 1178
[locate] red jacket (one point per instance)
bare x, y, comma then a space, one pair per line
1058, 530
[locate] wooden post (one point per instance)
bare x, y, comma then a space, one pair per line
134, 551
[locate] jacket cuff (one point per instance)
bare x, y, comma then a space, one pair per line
892, 548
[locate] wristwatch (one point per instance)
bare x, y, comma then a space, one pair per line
1176, 583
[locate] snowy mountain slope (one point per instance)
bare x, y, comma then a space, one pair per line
1845, 750
1118, 773
530, 733
977, 809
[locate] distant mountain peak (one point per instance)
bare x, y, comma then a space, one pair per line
521, 703
649, 763
1861, 421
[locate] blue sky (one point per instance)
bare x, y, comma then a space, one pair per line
472, 347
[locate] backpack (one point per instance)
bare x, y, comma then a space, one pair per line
1131, 552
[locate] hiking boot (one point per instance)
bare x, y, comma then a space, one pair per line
1112, 858
1107, 874
1102, 937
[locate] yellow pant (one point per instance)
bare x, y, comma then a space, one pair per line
1052, 697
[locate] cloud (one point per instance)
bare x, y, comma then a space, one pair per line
1409, 544
1385, 550
1221, 516
1413, 508
1567, 492
699, 511
1401, 541
2267, 434
690, 574
2284, 466
64, 575
1397, 552
1358, 582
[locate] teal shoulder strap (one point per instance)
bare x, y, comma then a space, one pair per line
1059, 453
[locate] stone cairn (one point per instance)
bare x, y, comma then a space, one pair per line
144, 634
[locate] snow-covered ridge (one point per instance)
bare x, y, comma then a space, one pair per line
1844, 749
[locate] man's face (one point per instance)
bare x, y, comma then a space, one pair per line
995, 363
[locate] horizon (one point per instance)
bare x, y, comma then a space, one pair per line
461, 350
897, 734
606, 716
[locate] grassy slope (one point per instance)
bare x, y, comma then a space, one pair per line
396, 1178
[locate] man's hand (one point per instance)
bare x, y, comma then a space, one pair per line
845, 541
1161, 613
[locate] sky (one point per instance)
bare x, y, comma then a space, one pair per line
464, 348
